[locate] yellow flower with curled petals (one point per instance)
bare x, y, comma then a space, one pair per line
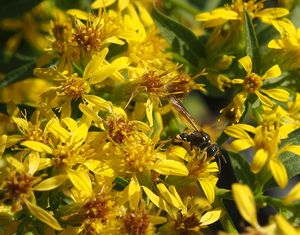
18, 186
189, 215
72, 87
266, 144
253, 83
245, 202
286, 49
235, 11
200, 168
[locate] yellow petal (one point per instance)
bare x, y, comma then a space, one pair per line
210, 217
284, 227
144, 14
51, 183
70, 123
170, 167
43, 215
99, 167
179, 151
268, 14
279, 172
90, 113
3, 140
21, 123
78, 14
273, 72
245, 202
237, 81
292, 148
174, 192
15, 163
264, 99
157, 201
246, 62
293, 195
58, 131
277, 94
259, 160
208, 185
13, 139
32, 161
171, 199
95, 64
236, 132
134, 193
80, 180
157, 219
37, 146
240, 145
149, 111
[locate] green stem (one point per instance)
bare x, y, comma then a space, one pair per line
226, 221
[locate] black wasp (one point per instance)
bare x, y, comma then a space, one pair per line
198, 138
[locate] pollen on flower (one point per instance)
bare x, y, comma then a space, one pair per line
118, 129
138, 154
75, 87
136, 222
252, 83
88, 37
18, 184
251, 6
152, 82
199, 167
98, 207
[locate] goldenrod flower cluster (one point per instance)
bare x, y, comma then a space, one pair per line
94, 136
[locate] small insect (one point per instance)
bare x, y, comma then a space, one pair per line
198, 138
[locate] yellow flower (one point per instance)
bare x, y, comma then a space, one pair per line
18, 184
201, 168
245, 202
190, 215
72, 87
287, 48
266, 143
235, 11
253, 83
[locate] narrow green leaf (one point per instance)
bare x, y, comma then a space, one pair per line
15, 8
241, 169
18, 74
252, 47
183, 40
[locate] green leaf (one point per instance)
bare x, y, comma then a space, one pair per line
241, 169
183, 40
18, 74
15, 8
252, 47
